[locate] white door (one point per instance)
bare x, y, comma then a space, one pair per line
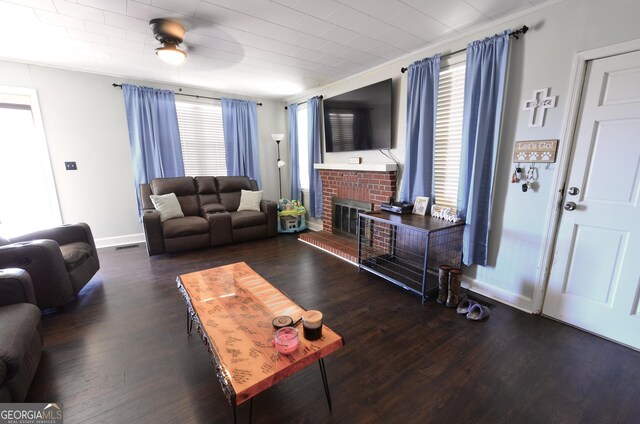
595, 276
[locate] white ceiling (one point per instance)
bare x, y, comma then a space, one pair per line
263, 48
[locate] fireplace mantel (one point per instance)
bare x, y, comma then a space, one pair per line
365, 167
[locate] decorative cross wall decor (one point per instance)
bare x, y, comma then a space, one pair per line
538, 106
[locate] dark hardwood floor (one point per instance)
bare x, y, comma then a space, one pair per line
120, 353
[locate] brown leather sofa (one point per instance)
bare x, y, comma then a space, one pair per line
211, 216
20, 335
60, 261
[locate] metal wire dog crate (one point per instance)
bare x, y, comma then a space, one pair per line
407, 250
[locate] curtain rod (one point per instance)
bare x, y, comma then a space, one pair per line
187, 95
301, 103
515, 34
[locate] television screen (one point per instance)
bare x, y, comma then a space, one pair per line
359, 119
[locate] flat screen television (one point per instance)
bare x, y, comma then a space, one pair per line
359, 119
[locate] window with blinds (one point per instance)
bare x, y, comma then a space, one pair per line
202, 139
446, 161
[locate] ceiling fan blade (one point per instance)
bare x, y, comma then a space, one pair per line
189, 48
191, 23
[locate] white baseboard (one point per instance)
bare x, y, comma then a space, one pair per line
119, 240
515, 300
315, 226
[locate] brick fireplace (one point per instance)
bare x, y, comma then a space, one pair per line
369, 183
374, 187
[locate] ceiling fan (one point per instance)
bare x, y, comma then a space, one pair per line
170, 33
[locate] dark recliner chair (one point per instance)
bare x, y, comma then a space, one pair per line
20, 335
60, 261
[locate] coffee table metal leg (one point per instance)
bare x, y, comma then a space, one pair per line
323, 372
189, 322
235, 409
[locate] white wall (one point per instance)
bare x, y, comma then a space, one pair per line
542, 58
84, 120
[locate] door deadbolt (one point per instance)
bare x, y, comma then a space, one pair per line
570, 206
573, 191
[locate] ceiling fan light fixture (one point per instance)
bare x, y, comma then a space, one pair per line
170, 54
170, 33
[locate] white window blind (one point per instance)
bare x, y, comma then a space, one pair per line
202, 139
303, 147
446, 161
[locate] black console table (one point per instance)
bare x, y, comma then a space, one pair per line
407, 250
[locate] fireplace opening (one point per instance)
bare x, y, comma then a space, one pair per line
345, 215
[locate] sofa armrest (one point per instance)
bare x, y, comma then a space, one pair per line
212, 208
42, 260
63, 234
20, 323
15, 287
153, 232
271, 209
3, 379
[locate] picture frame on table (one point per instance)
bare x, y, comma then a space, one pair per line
420, 205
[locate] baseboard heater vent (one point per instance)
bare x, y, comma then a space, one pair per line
128, 246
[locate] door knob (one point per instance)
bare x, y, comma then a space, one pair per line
573, 191
570, 206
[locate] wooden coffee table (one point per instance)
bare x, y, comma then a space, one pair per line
233, 307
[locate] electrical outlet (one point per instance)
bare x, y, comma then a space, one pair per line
70, 166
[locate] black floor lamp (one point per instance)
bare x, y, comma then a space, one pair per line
278, 138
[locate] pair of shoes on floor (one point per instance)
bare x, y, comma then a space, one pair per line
473, 310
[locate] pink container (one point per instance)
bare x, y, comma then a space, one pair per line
286, 340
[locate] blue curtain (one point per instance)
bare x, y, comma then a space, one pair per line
293, 153
153, 134
483, 98
422, 99
315, 156
240, 125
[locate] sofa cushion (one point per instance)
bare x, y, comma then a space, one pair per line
207, 190
235, 183
250, 200
190, 205
167, 205
181, 186
187, 226
229, 190
19, 324
242, 219
184, 189
230, 201
206, 185
75, 253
